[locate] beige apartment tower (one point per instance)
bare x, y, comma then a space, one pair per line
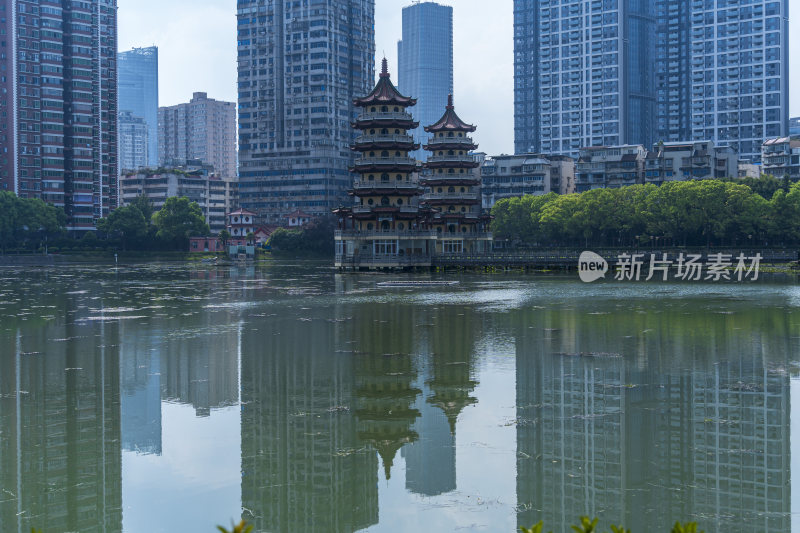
203, 129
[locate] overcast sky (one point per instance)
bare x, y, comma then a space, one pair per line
196, 42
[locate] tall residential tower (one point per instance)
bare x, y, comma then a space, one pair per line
300, 67
425, 57
59, 105
638, 72
203, 129
583, 74
138, 92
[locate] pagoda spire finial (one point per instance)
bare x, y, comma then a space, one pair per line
385, 68
450, 101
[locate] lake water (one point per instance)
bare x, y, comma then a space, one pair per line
174, 398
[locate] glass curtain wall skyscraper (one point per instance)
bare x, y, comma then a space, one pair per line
59, 105
425, 57
635, 72
300, 67
138, 92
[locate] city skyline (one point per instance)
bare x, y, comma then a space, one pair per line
480, 58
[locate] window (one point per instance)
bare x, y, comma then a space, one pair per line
452, 247
381, 247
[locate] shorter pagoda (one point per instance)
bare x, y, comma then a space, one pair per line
452, 185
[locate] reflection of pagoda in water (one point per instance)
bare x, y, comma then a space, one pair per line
452, 346
303, 466
446, 369
60, 456
430, 460
616, 438
384, 375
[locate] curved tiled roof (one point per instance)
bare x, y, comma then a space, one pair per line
450, 121
385, 93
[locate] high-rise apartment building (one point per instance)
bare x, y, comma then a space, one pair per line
583, 74
425, 60
7, 135
138, 92
59, 105
300, 67
740, 73
133, 137
203, 129
635, 72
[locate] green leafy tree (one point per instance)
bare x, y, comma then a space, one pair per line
224, 237
26, 220
178, 220
128, 223
145, 205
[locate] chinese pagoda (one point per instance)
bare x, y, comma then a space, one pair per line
453, 187
383, 227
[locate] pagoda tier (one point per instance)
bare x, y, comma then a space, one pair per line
450, 121
385, 93
410, 190
447, 200
384, 141
444, 160
384, 164
455, 143
444, 181
390, 119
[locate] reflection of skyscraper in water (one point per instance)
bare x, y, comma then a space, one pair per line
199, 364
741, 459
447, 386
431, 460
60, 457
631, 442
140, 364
303, 468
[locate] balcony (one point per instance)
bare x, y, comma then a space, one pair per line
384, 234
377, 209
384, 139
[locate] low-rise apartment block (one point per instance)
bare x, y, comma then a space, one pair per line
608, 167
698, 160
781, 157
213, 194
505, 176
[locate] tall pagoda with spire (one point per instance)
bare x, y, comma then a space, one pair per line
384, 226
453, 187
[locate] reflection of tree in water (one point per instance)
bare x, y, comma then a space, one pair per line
384, 377
453, 340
